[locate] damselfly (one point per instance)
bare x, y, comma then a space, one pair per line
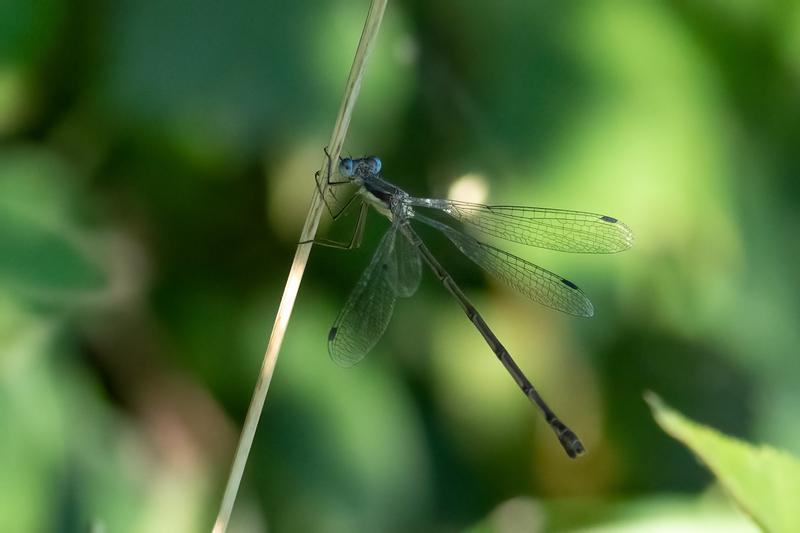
395, 269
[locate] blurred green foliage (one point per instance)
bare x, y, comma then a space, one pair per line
156, 164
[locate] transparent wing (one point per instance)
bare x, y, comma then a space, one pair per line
409, 269
555, 229
369, 307
533, 281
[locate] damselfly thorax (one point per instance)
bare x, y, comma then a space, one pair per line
387, 198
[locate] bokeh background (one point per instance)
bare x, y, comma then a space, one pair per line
156, 167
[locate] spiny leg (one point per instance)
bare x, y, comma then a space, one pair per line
328, 179
358, 233
329, 182
335, 217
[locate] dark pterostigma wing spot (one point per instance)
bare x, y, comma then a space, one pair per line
606, 218
332, 333
569, 284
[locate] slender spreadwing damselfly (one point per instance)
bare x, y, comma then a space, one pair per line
395, 269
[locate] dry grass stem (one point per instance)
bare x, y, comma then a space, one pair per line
365, 45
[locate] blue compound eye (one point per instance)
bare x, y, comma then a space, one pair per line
375, 164
346, 167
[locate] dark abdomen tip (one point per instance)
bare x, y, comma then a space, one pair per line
571, 444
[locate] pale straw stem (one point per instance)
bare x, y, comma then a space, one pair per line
365, 45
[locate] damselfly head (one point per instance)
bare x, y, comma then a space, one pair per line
360, 168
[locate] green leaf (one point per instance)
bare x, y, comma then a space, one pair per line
763, 481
